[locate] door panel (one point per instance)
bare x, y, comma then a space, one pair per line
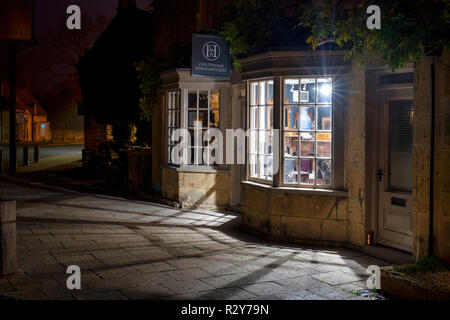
395, 225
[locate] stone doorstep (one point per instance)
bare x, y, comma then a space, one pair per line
398, 287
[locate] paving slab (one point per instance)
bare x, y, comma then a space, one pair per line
129, 249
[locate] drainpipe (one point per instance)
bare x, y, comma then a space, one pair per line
432, 138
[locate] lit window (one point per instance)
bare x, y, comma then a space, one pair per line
261, 130
202, 106
307, 131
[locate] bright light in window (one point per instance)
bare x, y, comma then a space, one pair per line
325, 90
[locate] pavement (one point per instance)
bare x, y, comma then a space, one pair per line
130, 249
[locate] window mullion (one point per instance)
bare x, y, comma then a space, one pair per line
277, 119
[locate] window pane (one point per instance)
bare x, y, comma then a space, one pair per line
324, 149
262, 124
308, 148
192, 116
291, 117
253, 141
269, 168
269, 149
191, 137
253, 165
308, 91
401, 145
253, 117
324, 136
307, 171
214, 118
262, 142
203, 117
214, 99
254, 94
323, 172
325, 90
262, 93
203, 99
261, 167
307, 118
324, 118
290, 170
192, 100
291, 91
291, 144
270, 93
269, 111
170, 117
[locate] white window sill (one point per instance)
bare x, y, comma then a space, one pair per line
293, 190
196, 169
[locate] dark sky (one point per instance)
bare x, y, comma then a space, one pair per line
49, 13
52, 14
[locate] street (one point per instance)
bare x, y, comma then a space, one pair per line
46, 152
129, 249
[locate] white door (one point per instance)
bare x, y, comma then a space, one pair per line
395, 174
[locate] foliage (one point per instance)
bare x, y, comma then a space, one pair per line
121, 131
425, 265
149, 70
108, 79
409, 28
256, 24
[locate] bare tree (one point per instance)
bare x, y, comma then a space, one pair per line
60, 49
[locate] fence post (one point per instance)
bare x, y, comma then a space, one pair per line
36, 153
2, 164
26, 156
8, 238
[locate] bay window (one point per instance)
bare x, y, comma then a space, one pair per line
306, 118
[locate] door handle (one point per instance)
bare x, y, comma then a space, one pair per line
380, 174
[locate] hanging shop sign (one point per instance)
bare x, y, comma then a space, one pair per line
210, 56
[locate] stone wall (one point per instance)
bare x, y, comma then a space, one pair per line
294, 217
157, 144
355, 159
94, 133
197, 189
442, 158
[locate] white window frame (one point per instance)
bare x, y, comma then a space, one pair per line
254, 131
209, 111
315, 158
337, 133
173, 106
182, 109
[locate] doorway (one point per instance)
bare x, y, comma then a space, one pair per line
395, 167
